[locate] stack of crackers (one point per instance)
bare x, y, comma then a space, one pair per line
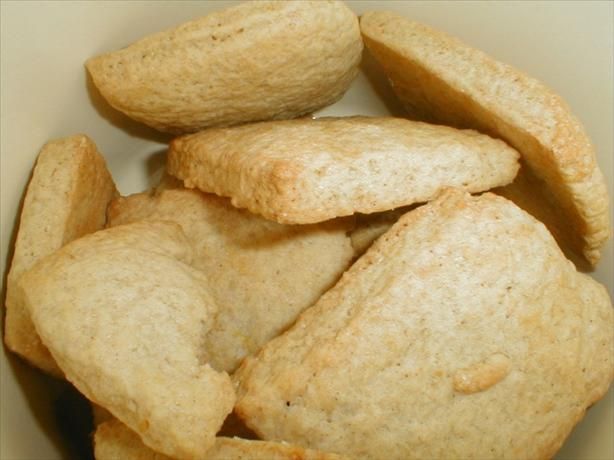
321, 288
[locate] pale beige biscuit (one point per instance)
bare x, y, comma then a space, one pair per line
306, 171
262, 274
114, 441
124, 315
256, 61
66, 198
447, 81
463, 332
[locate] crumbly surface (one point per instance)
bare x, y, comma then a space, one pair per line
463, 332
66, 198
124, 315
114, 440
306, 171
447, 81
256, 61
261, 274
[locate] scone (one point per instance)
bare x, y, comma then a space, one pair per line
124, 315
114, 441
445, 81
307, 171
463, 332
262, 274
66, 198
255, 61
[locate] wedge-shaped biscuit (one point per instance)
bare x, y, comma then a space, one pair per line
114, 440
463, 332
257, 61
125, 316
66, 198
262, 274
305, 171
444, 80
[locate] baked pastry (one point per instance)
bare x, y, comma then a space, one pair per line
255, 61
124, 315
114, 440
306, 171
463, 332
443, 80
66, 198
261, 274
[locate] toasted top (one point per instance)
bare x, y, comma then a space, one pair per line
255, 61
124, 316
463, 332
66, 198
113, 440
261, 274
447, 81
305, 171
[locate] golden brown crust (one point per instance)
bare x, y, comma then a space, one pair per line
66, 198
463, 332
256, 61
447, 81
307, 171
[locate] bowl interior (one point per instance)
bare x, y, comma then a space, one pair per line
46, 94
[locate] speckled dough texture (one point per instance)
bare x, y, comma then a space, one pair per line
256, 61
261, 274
115, 441
306, 171
66, 198
444, 80
463, 332
124, 315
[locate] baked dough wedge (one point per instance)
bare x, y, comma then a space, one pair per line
444, 80
463, 332
262, 274
66, 198
114, 440
306, 171
124, 315
256, 61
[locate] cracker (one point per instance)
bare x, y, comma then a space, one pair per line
463, 332
306, 171
262, 274
445, 80
66, 198
256, 61
124, 315
113, 441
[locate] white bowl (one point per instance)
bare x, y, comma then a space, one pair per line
45, 95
